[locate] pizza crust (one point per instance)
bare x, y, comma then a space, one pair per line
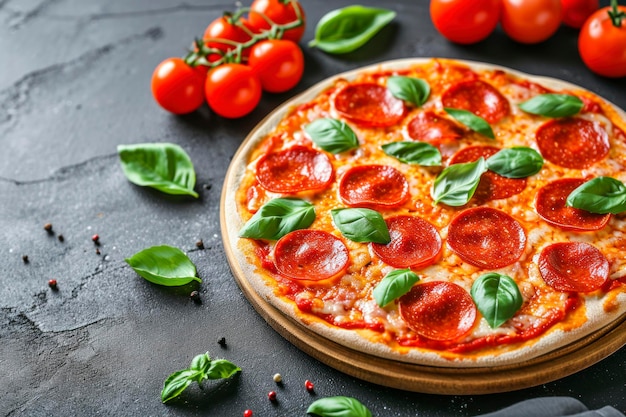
254, 284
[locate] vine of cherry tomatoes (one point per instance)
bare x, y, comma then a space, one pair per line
602, 36
237, 59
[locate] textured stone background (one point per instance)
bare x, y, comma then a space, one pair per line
74, 83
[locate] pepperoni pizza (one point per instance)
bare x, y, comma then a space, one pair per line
436, 212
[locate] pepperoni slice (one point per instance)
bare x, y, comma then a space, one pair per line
572, 142
373, 186
479, 97
414, 243
429, 127
550, 204
310, 255
492, 186
573, 266
295, 169
486, 237
369, 104
438, 310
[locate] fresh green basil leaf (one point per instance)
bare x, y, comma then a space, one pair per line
361, 225
553, 105
516, 162
456, 184
345, 30
601, 195
338, 407
411, 89
163, 166
332, 135
177, 382
394, 285
221, 369
410, 152
201, 363
469, 119
497, 297
278, 217
164, 265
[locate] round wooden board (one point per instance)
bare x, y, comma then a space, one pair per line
407, 376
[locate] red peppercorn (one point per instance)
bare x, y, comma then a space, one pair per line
271, 395
52, 284
308, 385
96, 239
247, 413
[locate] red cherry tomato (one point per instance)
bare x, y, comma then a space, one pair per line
280, 12
278, 63
530, 21
575, 12
465, 21
225, 28
602, 44
177, 87
232, 90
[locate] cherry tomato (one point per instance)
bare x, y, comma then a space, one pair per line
232, 90
602, 44
575, 12
465, 21
279, 64
280, 12
530, 21
225, 28
177, 87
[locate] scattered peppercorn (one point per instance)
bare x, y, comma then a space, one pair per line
96, 239
61, 238
247, 413
222, 342
48, 227
200, 244
97, 251
272, 396
52, 283
278, 378
207, 186
308, 385
25, 258
195, 296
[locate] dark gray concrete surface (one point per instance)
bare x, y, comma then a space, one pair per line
74, 83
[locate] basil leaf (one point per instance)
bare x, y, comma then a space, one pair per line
332, 135
201, 363
516, 162
456, 184
163, 166
395, 284
601, 195
345, 30
221, 369
418, 153
361, 225
164, 265
497, 297
469, 119
338, 407
553, 105
177, 382
278, 217
411, 89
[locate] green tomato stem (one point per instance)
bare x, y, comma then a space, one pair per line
616, 14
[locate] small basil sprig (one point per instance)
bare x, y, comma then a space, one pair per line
410, 152
601, 195
338, 407
553, 105
516, 162
456, 184
345, 30
164, 265
497, 297
469, 119
201, 368
163, 166
411, 89
361, 225
332, 135
278, 217
394, 285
